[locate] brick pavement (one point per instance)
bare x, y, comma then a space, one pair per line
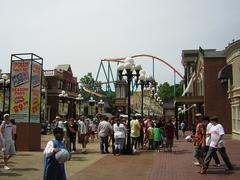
147, 165
177, 165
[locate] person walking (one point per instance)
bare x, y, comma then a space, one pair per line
54, 170
169, 130
216, 144
156, 137
208, 125
82, 134
135, 133
150, 137
199, 141
92, 130
73, 127
119, 136
183, 128
6, 129
104, 129
14, 132
59, 122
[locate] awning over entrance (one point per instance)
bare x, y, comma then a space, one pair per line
225, 73
188, 100
189, 88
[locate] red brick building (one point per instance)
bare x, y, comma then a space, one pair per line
204, 92
58, 80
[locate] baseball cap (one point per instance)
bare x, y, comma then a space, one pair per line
215, 118
6, 115
198, 114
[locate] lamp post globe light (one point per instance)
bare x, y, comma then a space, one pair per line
91, 103
63, 104
78, 106
142, 83
4, 83
127, 70
101, 106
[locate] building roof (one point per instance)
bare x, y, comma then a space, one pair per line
64, 67
214, 54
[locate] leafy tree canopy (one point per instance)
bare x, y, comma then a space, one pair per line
166, 91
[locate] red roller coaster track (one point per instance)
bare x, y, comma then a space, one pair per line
121, 60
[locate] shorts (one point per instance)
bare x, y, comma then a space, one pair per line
83, 138
9, 148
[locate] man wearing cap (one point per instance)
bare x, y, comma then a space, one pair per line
217, 143
6, 129
59, 123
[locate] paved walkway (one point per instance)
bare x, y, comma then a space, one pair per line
177, 165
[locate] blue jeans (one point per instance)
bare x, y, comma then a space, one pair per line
210, 154
104, 144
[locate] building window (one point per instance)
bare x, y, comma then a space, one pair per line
118, 93
60, 84
123, 92
236, 118
69, 86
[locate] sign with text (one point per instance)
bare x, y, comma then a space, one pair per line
20, 90
36, 92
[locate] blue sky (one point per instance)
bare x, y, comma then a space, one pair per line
82, 32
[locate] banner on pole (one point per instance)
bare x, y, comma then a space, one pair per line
36, 92
20, 90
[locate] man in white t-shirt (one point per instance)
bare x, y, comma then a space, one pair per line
216, 143
6, 129
208, 125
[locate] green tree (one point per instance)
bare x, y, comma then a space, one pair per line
166, 91
88, 82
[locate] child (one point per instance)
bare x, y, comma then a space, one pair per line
52, 169
156, 137
150, 137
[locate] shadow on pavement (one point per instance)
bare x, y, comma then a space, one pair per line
180, 152
79, 159
9, 174
220, 172
25, 169
24, 154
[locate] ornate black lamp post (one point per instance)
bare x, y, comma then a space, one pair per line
63, 104
142, 83
129, 68
101, 107
78, 106
91, 103
4, 82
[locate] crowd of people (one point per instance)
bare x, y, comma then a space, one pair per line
149, 133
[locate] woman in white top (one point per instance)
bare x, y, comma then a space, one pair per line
119, 136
